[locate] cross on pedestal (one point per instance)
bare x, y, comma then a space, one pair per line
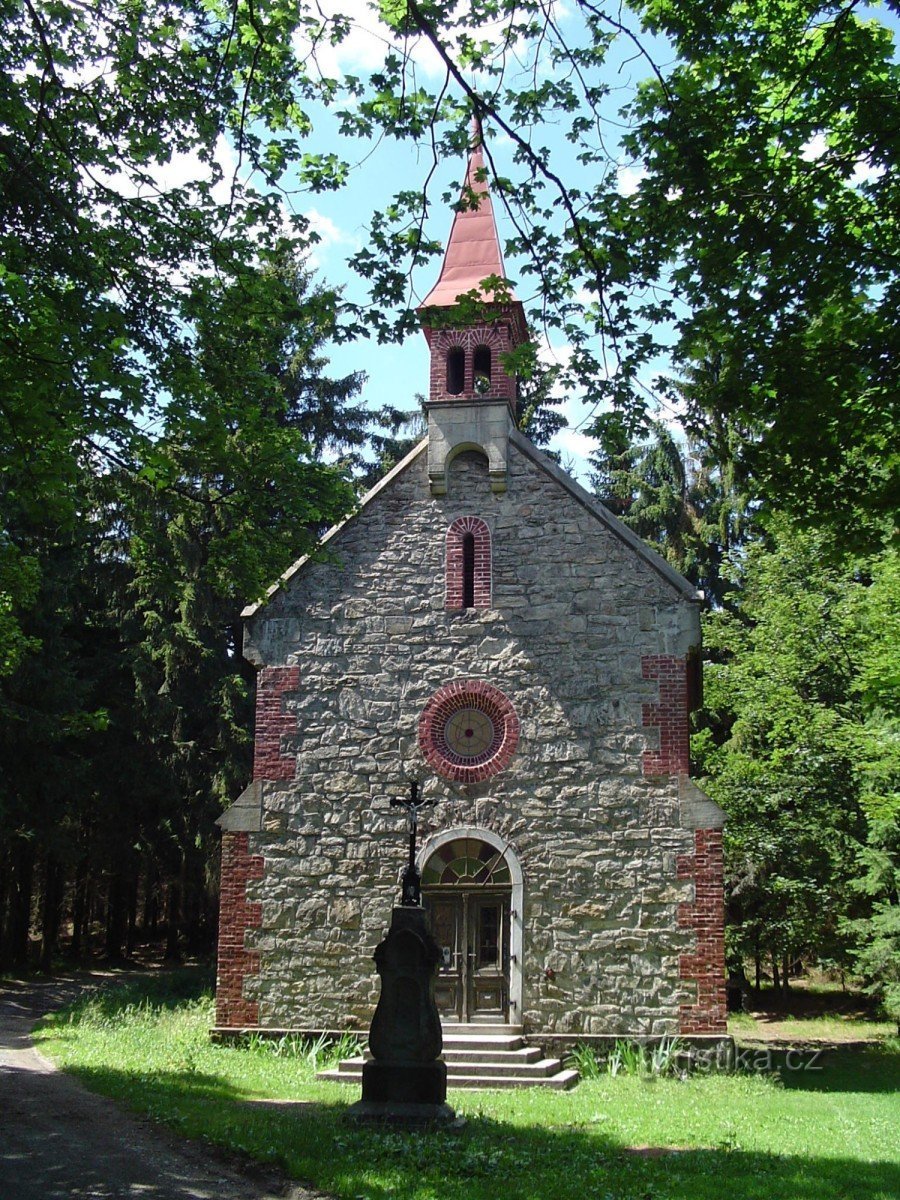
411, 887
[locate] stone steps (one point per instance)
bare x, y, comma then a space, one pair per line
482, 1059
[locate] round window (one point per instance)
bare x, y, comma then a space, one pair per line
468, 731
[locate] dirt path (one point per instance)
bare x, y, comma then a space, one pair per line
59, 1140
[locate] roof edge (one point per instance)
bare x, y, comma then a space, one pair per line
252, 609
615, 526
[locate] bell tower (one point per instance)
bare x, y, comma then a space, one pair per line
471, 321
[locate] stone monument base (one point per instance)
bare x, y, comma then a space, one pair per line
404, 1116
404, 1083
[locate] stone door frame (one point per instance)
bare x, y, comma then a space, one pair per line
516, 922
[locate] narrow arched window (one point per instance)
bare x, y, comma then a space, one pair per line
481, 368
456, 370
468, 564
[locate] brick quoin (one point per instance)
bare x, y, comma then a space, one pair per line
669, 715
236, 916
454, 587
705, 915
272, 683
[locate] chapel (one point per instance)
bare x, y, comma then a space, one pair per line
483, 626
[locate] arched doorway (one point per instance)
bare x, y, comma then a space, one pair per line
472, 889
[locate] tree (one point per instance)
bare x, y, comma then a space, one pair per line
676, 497
141, 275
794, 753
762, 231
877, 751
119, 197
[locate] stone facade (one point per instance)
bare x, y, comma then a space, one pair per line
621, 898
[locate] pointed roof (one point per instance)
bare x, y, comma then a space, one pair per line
473, 250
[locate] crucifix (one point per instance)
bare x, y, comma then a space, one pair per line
411, 887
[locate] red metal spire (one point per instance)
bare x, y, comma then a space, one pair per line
473, 249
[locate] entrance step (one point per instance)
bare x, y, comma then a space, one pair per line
475, 1027
481, 1060
481, 1041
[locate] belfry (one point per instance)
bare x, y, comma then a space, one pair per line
471, 325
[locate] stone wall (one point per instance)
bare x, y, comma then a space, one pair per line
576, 616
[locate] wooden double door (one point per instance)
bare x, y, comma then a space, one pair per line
471, 927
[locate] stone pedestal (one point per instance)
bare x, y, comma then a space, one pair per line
406, 1081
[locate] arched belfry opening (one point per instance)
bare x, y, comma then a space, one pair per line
456, 371
481, 368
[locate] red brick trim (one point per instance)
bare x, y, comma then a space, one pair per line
272, 684
454, 588
236, 916
669, 715
705, 915
468, 693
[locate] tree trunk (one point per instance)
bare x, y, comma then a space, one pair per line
20, 901
786, 975
173, 923
4, 889
51, 909
151, 902
776, 983
132, 907
79, 901
87, 919
115, 918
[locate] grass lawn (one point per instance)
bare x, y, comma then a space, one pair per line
797, 1135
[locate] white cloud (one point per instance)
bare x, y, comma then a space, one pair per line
369, 41
628, 178
814, 148
329, 235
572, 441
181, 171
864, 172
365, 46
554, 355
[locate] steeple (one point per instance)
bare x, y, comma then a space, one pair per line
473, 249
472, 400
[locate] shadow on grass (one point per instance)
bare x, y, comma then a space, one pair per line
315, 1143
867, 1069
166, 989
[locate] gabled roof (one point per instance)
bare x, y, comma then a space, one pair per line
605, 517
473, 249
584, 498
252, 609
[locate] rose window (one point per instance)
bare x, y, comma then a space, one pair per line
468, 731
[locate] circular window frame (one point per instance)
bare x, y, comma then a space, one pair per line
453, 698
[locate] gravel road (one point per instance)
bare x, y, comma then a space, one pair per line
59, 1140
